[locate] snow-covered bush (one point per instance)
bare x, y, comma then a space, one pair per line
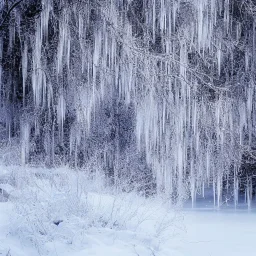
62, 205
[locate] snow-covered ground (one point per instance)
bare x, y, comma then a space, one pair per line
207, 233
61, 215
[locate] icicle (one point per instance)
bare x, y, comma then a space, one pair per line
61, 111
1, 69
249, 191
193, 190
200, 21
64, 42
226, 15
246, 60
208, 164
214, 192
219, 190
162, 16
236, 189
154, 19
253, 42
47, 8
24, 69
219, 55
25, 137
203, 190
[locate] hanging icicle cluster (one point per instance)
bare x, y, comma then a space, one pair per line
170, 81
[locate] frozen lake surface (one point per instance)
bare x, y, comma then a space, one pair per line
219, 233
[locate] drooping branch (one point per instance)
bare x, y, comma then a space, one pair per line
8, 13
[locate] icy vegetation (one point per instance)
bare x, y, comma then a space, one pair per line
63, 212
156, 96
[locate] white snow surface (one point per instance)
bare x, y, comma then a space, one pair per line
107, 223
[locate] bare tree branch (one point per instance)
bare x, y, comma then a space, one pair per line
8, 13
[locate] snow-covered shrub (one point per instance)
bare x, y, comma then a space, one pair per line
62, 205
10, 152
